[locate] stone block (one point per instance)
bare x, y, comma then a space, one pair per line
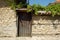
45, 29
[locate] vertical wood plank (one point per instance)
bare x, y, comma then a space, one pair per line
25, 24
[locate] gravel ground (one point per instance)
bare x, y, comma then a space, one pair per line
41, 37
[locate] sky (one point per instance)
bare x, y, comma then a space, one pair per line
41, 2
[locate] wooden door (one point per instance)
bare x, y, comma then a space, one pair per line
25, 24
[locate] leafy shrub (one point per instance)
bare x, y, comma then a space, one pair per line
54, 8
35, 8
13, 4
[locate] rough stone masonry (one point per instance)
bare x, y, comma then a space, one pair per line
46, 25
7, 20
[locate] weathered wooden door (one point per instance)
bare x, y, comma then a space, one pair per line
24, 21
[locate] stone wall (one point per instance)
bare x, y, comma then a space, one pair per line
45, 25
7, 20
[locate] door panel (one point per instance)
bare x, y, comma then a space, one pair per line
25, 24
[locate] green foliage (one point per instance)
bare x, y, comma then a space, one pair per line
54, 8
29, 8
35, 8
20, 5
13, 4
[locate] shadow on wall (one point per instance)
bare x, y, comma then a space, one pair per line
46, 19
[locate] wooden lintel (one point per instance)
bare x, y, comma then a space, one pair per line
22, 10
